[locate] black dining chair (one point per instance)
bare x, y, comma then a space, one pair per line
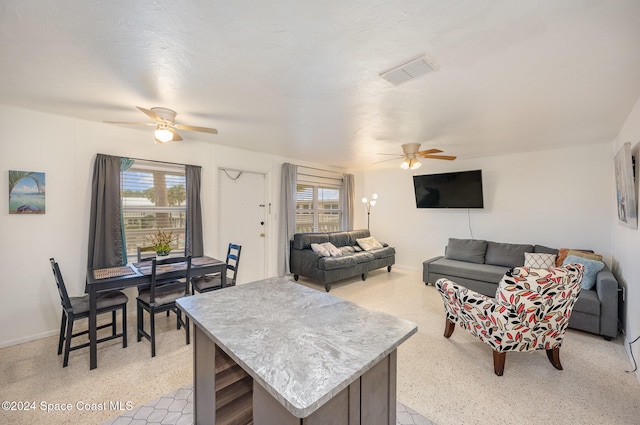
161, 296
74, 308
212, 282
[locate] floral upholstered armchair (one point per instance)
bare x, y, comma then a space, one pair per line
530, 311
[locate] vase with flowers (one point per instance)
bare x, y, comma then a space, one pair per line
161, 242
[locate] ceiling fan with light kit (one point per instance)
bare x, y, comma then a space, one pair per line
411, 152
164, 121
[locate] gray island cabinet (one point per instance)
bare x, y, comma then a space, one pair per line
274, 352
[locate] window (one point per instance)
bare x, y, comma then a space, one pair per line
318, 201
153, 197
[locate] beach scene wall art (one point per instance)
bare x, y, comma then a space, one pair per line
26, 192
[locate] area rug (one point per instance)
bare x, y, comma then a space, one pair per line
176, 408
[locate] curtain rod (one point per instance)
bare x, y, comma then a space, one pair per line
319, 169
320, 177
161, 162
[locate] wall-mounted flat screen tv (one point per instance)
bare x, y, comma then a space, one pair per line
462, 189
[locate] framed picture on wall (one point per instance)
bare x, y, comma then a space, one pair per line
26, 192
625, 188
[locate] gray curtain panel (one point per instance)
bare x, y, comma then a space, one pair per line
105, 232
348, 206
287, 215
194, 241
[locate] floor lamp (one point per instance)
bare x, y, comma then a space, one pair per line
368, 204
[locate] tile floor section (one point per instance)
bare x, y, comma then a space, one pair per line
176, 408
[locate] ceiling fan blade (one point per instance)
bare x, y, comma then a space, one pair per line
394, 154
176, 135
445, 157
129, 123
386, 160
150, 114
427, 152
194, 128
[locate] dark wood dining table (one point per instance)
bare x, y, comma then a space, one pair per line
134, 274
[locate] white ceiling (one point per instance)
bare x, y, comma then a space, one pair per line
300, 78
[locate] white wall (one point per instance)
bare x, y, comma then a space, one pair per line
65, 150
626, 243
558, 198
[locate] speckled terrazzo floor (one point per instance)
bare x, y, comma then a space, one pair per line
176, 408
449, 381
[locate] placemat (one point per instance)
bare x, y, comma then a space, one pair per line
112, 272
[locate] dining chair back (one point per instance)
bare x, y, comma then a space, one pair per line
74, 308
212, 282
161, 296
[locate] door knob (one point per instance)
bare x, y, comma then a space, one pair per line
262, 235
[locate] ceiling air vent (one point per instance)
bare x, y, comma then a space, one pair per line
407, 71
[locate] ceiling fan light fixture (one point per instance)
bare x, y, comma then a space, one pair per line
163, 135
410, 164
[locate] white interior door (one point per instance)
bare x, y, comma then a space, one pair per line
243, 220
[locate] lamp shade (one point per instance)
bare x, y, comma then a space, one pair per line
163, 135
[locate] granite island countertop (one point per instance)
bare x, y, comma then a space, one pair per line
301, 345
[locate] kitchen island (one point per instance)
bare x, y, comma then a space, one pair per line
276, 352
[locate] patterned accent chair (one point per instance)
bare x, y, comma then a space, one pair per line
530, 311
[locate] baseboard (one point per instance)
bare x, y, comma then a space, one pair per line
29, 338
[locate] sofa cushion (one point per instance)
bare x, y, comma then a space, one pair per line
506, 254
358, 234
545, 250
363, 257
474, 271
304, 240
340, 239
383, 252
470, 250
588, 302
332, 263
585, 254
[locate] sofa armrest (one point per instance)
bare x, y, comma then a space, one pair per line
425, 269
303, 261
607, 289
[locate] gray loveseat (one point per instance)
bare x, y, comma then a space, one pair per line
479, 265
354, 260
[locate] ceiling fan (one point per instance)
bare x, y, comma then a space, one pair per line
411, 152
164, 121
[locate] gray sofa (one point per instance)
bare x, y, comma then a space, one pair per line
479, 265
353, 262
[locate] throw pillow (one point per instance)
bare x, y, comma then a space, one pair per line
335, 252
469, 250
369, 243
539, 260
591, 269
563, 252
588, 255
320, 250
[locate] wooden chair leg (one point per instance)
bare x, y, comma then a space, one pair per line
63, 325
554, 357
187, 328
449, 327
498, 362
153, 334
140, 323
114, 331
124, 326
67, 340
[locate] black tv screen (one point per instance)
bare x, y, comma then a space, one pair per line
461, 189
